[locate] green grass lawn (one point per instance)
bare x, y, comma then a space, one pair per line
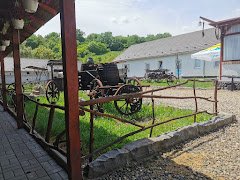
107, 130
205, 85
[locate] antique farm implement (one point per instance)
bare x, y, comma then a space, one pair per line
104, 80
161, 74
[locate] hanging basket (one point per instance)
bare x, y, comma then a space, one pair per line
18, 23
2, 48
5, 42
30, 6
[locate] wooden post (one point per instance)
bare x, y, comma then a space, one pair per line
153, 117
221, 56
195, 98
91, 138
69, 56
215, 97
34, 117
49, 126
4, 96
18, 79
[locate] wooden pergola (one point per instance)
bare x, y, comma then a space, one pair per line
224, 26
47, 9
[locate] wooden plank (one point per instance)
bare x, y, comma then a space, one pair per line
69, 56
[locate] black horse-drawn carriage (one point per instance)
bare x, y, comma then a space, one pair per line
161, 74
104, 80
100, 80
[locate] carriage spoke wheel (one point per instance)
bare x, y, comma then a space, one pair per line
96, 92
52, 92
11, 100
131, 105
172, 80
134, 82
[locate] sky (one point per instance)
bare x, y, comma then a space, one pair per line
142, 17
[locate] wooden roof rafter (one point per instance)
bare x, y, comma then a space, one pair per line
47, 10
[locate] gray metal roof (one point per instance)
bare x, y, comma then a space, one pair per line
8, 62
180, 44
25, 62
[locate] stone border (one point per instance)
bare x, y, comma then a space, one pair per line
144, 148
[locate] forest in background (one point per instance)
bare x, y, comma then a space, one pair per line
103, 47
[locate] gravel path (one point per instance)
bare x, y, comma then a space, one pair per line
214, 156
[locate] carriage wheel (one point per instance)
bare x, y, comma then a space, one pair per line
172, 80
134, 82
128, 106
52, 92
95, 93
11, 95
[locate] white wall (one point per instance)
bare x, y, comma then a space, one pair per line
27, 77
230, 70
138, 67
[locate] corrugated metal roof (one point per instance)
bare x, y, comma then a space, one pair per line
184, 43
41, 63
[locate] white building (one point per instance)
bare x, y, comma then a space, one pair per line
29, 75
165, 53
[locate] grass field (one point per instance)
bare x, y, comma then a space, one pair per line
204, 85
107, 130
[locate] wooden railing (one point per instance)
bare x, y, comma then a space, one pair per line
83, 107
146, 95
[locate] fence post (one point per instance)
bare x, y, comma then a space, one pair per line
216, 97
49, 126
195, 98
34, 118
153, 116
91, 134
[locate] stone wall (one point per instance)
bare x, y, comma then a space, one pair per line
144, 148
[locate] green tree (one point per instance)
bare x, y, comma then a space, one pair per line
82, 50
43, 53
80, 35
92, 37
34, 41
116, 45
97, 47
25, 51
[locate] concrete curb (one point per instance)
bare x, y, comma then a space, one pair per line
143, 148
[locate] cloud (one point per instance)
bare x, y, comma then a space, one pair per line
236, 12
142, 17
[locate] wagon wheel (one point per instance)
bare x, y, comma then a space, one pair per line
52, 92
95, 93
11, 95
134, 82
172, 80
131, 105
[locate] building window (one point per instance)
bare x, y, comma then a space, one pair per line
147, 66
216, 64
197, 64
160, 64
231, 47
127, 66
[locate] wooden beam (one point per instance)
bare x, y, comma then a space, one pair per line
69, 56
30, 29
48, 9
4, 96
18, 79
36, 20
